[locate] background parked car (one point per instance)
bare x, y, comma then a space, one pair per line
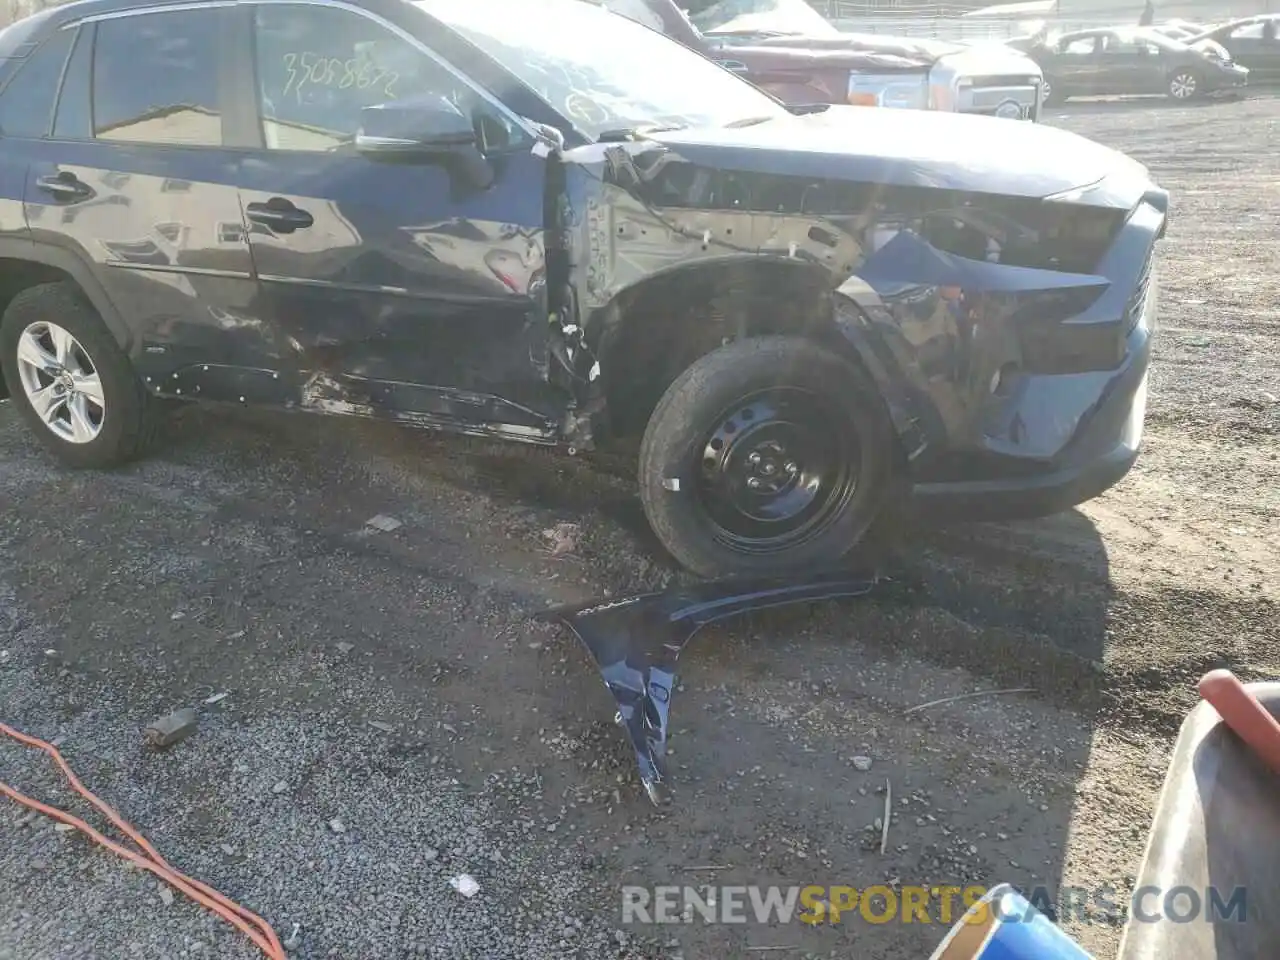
1251, 42
789, 50
1128, 61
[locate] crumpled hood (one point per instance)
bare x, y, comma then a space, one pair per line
768, 58
919, 148
927, 51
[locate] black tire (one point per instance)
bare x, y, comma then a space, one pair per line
128, 417
692, 489
1177, 88
1050, 97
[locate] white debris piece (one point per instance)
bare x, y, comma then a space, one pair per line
563, 538
383, 523
337, 826
216, 698
381, 725
862, 763
166, 895
465, 884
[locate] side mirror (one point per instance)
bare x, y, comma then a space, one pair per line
423, 130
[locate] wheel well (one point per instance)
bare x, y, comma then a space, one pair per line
16, 276
653, 331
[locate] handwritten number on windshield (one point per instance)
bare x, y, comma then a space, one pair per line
313, 70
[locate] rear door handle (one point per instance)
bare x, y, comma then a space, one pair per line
280, 215
65, 186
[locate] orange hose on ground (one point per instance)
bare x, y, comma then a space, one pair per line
246, 921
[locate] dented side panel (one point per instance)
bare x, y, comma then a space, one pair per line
954, 303
411, 295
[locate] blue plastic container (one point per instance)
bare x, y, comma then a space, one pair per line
1004, 926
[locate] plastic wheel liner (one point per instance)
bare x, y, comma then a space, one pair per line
636, 642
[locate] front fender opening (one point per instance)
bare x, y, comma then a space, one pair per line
654, 330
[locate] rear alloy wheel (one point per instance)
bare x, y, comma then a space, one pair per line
1184, 85
1046, 92
70, 380
61, 382
768, 456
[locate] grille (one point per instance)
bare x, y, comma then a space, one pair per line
994, 96
999, 95
1138, 301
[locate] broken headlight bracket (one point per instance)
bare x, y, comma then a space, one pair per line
636, 641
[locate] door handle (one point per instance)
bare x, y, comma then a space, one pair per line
280, 215
65, 185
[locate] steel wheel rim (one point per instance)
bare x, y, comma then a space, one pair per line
61, 382
1182, 86
777, 469
1046, 91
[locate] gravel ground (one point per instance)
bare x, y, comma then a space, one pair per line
393, 682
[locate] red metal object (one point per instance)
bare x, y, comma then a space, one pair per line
1242, 712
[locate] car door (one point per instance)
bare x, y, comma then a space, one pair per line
1257, 47
134, 180
1076, 68
1129, 65
1247, 45
406, 289
1268, 58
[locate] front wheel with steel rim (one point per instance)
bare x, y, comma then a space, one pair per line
1184, 85
768, 456
70, 380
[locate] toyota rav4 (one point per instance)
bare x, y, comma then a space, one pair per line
536, 220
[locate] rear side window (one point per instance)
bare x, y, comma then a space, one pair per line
1252, 31
73, 121
26, 105
155, 79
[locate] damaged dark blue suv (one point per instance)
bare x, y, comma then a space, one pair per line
537, 220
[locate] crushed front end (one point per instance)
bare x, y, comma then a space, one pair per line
994, 279
1023, 331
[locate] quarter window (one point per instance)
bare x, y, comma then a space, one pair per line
318, 67
26, 106
155, 79
1081, 48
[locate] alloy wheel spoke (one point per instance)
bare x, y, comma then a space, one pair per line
46, 402
33, 354
89, 385
82, 428
63, 343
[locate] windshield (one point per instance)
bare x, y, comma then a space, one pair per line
601, 70
758, 16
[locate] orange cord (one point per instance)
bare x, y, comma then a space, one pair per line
247, 922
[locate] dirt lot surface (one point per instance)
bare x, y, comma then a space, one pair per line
236, 561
